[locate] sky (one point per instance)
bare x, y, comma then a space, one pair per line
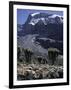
22, 14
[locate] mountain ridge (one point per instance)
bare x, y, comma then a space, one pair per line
40, 24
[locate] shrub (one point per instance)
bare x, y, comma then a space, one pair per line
39, 58
28, 53
19, 53
52, 54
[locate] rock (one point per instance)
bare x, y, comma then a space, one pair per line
20, 71
59, 60
60, 72
27, 72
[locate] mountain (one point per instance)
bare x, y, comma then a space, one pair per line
46, 28
44, 24
46, 19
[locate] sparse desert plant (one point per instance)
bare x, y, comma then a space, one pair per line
52, 54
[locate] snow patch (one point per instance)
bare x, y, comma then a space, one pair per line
54, 15
50, 19
35, 14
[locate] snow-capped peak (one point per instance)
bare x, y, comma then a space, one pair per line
35, 14
48, 19
54, 15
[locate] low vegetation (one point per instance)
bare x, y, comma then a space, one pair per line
30, 67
